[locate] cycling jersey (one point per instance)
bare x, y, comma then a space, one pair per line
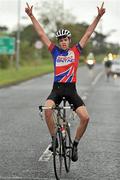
65, 63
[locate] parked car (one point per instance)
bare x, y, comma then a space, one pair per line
115, 68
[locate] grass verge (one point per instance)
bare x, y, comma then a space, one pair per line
13, 76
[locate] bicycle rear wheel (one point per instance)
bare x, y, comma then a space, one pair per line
57, 154
67, 149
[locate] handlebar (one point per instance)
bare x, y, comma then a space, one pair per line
58, 108
41, 108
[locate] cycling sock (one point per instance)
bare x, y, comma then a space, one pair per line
52, 137
76, 142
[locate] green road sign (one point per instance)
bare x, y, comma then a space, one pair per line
7, 45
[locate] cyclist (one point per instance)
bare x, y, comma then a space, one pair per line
65, 66
108, 65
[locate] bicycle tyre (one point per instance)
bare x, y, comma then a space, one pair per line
67, 149
57, 155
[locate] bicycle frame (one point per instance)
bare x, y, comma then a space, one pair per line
64, 140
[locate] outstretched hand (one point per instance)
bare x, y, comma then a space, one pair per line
28, 10
101, 10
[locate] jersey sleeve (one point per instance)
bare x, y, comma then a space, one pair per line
79, 48
52, 48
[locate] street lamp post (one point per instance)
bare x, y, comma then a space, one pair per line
18, 36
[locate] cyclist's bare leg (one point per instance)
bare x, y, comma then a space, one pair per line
84, 119
49, 117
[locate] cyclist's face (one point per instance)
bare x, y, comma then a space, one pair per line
64, 43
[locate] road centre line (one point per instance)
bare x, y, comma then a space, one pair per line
97, 78
27, 178
84, 97
23, 178
46, 155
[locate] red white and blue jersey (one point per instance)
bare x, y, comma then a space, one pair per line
65, 63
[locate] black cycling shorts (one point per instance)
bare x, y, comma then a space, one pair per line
67, 90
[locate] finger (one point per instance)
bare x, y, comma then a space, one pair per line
97, 7
31, 7
27, 5
102, 5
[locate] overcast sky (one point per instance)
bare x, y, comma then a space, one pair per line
84, 11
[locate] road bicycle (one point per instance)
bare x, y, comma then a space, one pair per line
63, 136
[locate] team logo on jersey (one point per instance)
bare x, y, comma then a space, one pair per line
65, 60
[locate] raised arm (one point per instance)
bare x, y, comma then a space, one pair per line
37, 26
92, 27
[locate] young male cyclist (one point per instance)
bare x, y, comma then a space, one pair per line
66, 61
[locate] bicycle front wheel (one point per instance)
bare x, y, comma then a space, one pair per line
57, 154
67, 149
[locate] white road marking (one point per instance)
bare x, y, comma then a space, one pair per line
97, 78
25, 178
46, 155
9, 178
84, 97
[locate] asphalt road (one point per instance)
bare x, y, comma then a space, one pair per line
24, 137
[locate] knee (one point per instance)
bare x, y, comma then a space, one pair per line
48, 112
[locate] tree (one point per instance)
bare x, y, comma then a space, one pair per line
3, 28
52, 16
99, 43
29, 34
